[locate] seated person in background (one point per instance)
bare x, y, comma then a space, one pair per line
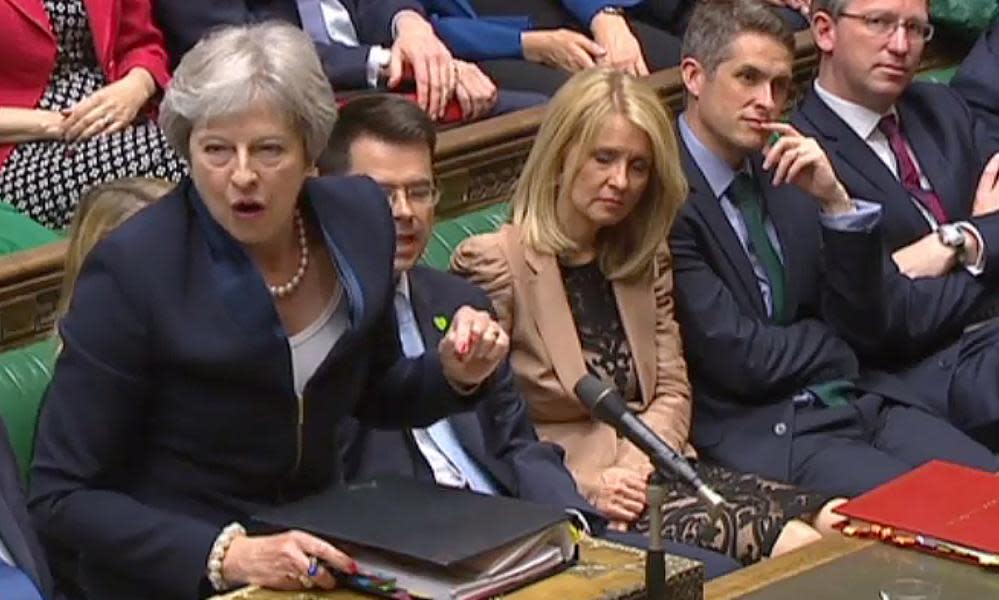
582, 280
101, 210
760, 248
493, 449
977, 81
216, 339
538, 44
76, 102
915, 148
24, 571
362, 44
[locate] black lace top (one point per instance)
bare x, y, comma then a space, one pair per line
598, 324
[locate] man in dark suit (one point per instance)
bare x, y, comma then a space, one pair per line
917, 150
494, 448
24, 573
977, 81
362, 44
771, 256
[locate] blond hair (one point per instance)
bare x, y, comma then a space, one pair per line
100, 210
573, 121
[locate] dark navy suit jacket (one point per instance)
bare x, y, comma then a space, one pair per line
977, 81
745, 369
184, 22
498, 434
172, 410
15, 527
922, 319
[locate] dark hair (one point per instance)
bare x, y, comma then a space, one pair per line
387, 117
715, 23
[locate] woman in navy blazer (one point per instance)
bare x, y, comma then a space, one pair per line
215, 340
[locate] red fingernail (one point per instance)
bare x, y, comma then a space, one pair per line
353, 568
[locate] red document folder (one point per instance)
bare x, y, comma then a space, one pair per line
937, 502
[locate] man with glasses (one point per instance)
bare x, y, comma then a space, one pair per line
915, 148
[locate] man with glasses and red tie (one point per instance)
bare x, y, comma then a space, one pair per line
916, 148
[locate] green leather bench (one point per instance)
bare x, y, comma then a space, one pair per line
18, 232
25, 371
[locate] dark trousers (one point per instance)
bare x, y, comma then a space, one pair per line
973, 401
875, 441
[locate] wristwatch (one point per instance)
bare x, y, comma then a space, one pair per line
953, 237
611, 10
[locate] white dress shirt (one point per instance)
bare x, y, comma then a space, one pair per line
340, 29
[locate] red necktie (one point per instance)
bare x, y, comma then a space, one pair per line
907, 170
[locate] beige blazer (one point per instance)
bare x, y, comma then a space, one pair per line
527, 291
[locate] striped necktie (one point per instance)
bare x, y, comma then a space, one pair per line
744, 192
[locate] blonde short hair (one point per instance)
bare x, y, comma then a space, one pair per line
103, 208
234, 67
571, 125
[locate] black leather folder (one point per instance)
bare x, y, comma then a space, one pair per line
416, 519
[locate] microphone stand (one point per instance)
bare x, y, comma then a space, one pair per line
655, 557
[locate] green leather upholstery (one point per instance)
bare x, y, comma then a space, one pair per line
24, 375
448, 234
25, 372
938, 75
18, 232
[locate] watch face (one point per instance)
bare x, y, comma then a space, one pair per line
951, 236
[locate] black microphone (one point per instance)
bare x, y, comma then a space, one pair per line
606, 405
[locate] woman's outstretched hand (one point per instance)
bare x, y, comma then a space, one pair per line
472, 348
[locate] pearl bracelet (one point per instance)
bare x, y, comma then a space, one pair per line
217, 555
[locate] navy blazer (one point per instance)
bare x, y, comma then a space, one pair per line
745, 369
184, 22
172, 410
483, 37
498, 434
15, 527
928, 312
977, 81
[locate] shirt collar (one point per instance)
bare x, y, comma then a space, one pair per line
717, 172
402, 286
862, 120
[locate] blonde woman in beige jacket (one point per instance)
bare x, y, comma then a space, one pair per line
581, 281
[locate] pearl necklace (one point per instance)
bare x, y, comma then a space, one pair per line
281, 291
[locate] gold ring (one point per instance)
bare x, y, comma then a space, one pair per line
306, 581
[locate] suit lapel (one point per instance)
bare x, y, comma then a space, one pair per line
932, 163
102, 15
854, 160
708, 206
636, 303
34, 11
553, 317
